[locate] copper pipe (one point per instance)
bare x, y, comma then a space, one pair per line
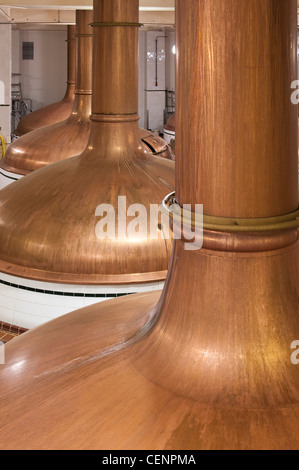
54, 239
259, 186
121, 99
209, 365
58, 111
69, 137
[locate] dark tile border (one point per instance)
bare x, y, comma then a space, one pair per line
8, 177
65, 294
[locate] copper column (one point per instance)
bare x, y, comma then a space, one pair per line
66, 138
208, 367
121, 73
58, 111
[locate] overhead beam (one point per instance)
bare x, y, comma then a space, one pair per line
152, 12
146, 5
43, 16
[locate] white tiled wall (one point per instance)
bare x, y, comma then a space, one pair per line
168, 136
28, 309
6, 178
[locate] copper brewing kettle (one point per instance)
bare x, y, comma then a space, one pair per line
48, 219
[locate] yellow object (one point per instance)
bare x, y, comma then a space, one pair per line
3, 146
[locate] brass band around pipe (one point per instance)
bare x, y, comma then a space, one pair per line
223, 224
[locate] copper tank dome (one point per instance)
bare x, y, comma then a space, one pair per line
55, 112
208, 366
48, 218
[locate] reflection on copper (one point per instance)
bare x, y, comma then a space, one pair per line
48, 219
58, 111
208, 366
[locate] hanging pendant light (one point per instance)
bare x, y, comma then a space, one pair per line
212, 364
49, 219
58, 111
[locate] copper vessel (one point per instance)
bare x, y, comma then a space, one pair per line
58, 111
66, 138
208, 366
48, 219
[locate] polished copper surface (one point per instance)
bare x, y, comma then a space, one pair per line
120, 98
222, 117
66, 138
207, 368
208, 365
55, 112
47, 227
48, 222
